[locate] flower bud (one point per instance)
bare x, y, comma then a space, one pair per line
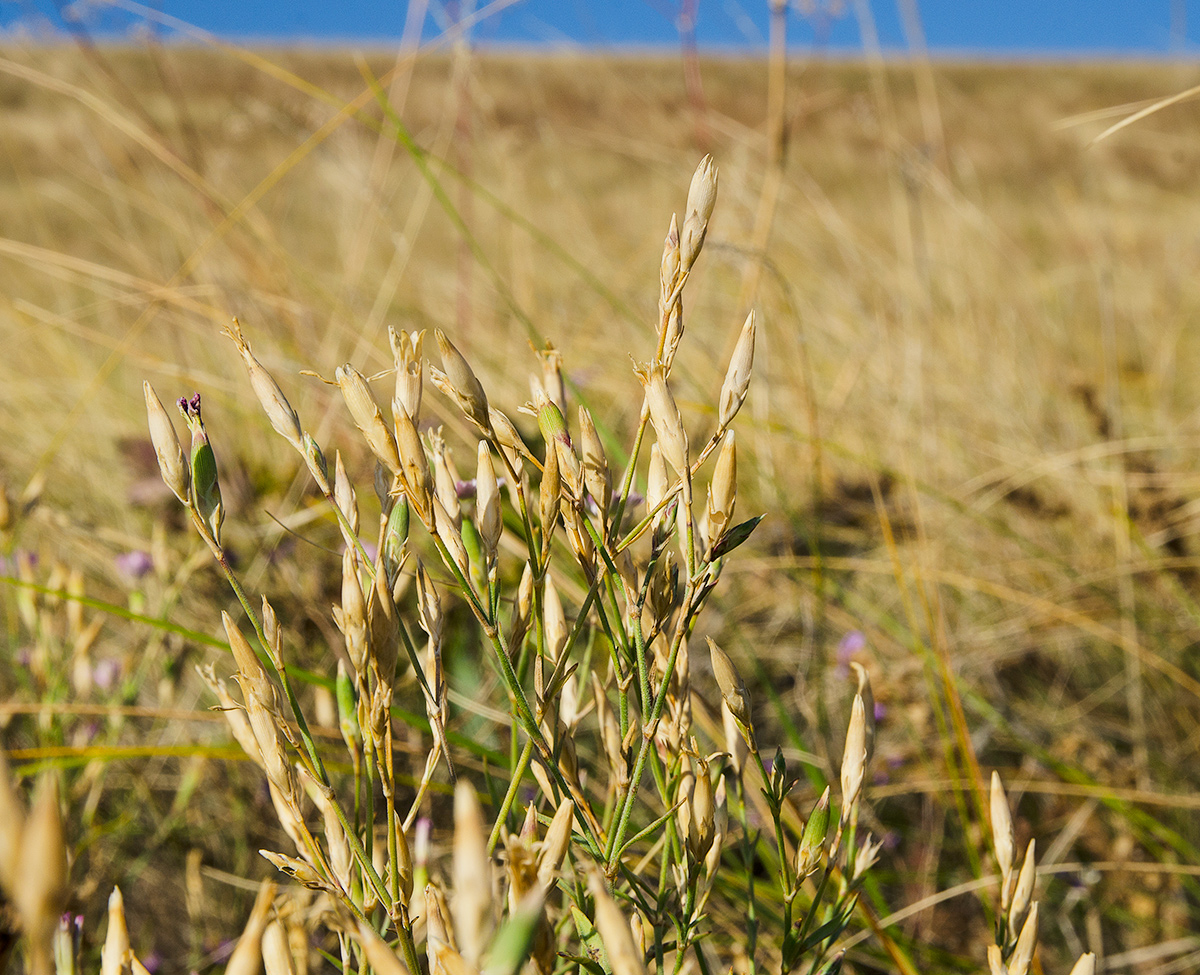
737, 376
410, 368
487, 502
854, 758
279, 411
596, 475
702, 197
464, 387
205, 483
664, 415
167, 448
367, 416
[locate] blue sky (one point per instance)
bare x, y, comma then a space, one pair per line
997, 27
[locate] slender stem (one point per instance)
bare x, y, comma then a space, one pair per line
511, 795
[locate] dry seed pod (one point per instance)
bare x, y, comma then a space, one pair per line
733, 689
1002, 835
167, 449
116, 939
445, 478
995, 959
864, 691
487, 502
1086, 965
552, 378
549, 495
1022, 956
40, 890
410, 368
367, 416
614, 930
303, 873
418, 481
438, 934
668, 269
701, 828
404, 864
737, 376
664, 415
379, 956
509, 438
596, 475
276, 954
450, 535
262, 710
343, 495
352, 620
735, 744
854, 758
247, 955
656, 489
722, 492
279, 411
1023, 892
702, 197
12, 824
522, 612
555, 845
472, 901
429, 605
235, 715
464, 386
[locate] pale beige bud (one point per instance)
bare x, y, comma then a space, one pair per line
508, 437
472, 901
555, 845
404, 872
300, 871
735, 744
445, 477
343, 496
234, 714
429, 605
722, 492
487, 502
1086, 965
380, 957
522, 612
865, 692
465, 387
737, 376
614, 930
656, 480
247, 955
549, 495
276, 953
451, 536
555, 620
439, 935
279, 411
668, 269
596, 475
702, 197
700, 829
116, 938
12, 824
1023, 892
353, 617
1002, 833
552, 378
410, 368
664, 415
995, 959
41, 889
174, 469
415, 474
733, 689
1022, 956
367, 416
854, 757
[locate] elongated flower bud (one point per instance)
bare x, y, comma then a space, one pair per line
668, 269
41, 889
854, 758
596, 475
812, 843
737, 376
722, 492
472, 902
410, 368
733, 689
116, 939
702, 197
367, 416
664, 415
279, 411
614, 930
464, 386
175, 472
556, 843
445, 477
1002, 834
1023, 892
487, 502
1022, 956
206, 486
415, 473
1086, 965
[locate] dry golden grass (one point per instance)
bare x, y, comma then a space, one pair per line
972, 427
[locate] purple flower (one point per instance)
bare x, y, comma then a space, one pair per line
134, 564
880, 711
851, 644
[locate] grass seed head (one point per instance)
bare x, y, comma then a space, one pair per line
737, 376
664, 415
167, 449
1022, 956
1023, 891
1002, 835
367, 416
279, 411
596, 474
463, 385
410, 368
116, 938
702, 198
415, 465
722, 492
854, 758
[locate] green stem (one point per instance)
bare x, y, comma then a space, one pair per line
511, 795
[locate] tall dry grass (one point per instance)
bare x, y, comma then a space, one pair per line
971, 425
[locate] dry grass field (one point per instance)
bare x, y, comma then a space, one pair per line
974, 429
